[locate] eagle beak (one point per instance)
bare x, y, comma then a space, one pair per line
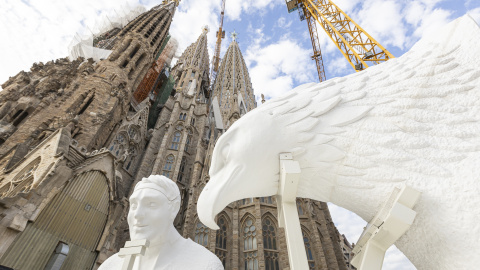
205, 208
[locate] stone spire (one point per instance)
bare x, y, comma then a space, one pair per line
192, 69
232, 90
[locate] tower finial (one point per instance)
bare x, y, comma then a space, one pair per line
234, 35
206, 29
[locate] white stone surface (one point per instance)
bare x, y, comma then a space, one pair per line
414, 120
153, 206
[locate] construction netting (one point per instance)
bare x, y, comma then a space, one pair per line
97, 41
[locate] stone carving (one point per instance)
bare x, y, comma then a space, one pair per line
153, 206
414, 120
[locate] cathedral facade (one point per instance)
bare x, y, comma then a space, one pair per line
76, 136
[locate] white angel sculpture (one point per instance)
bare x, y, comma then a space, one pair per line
414, 120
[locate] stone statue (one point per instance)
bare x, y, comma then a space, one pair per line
414, 120
153, 206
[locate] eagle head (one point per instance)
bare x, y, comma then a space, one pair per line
242, 158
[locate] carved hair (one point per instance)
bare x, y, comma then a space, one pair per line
164, 185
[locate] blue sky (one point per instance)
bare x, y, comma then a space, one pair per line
276, 45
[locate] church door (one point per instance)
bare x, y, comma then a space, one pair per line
66, 233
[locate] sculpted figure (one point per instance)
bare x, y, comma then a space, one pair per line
153, 206
414, 120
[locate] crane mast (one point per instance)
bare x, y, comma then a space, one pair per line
216, 56
359, 48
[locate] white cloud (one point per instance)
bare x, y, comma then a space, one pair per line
282, 22
33, 31
275, 68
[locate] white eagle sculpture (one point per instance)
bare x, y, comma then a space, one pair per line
414, 120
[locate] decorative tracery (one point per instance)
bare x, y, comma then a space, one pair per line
221, 240
201, 234
308, 250
300, 208
270, 244
22, 182
176, 140
167, 169
250, 255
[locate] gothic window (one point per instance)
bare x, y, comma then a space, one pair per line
192, 122
250, 245
182, 169
201, 234
132, 132
266, 199
300, 208
168, 165
180, 117
221, 241
117, 146
270, 244
132, 153
193, 74
308, 250
189, 84
184, 116
176, 140
247, 201
22, 182
113, 145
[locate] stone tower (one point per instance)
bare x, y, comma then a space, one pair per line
62, 193
177, 144
75, 139
249, 236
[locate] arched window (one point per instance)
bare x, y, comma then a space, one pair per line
132, 153
113, 145
180, 117
192, 122
201, 234
184, 116
22, 182
266, 200
221, 241
247, 201
176, 140
300, 208
132, 132
308, 250
270, 244
250, 245
182, 169
117, 146
168, 165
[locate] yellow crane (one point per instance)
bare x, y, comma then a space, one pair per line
357, 46
218, 45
